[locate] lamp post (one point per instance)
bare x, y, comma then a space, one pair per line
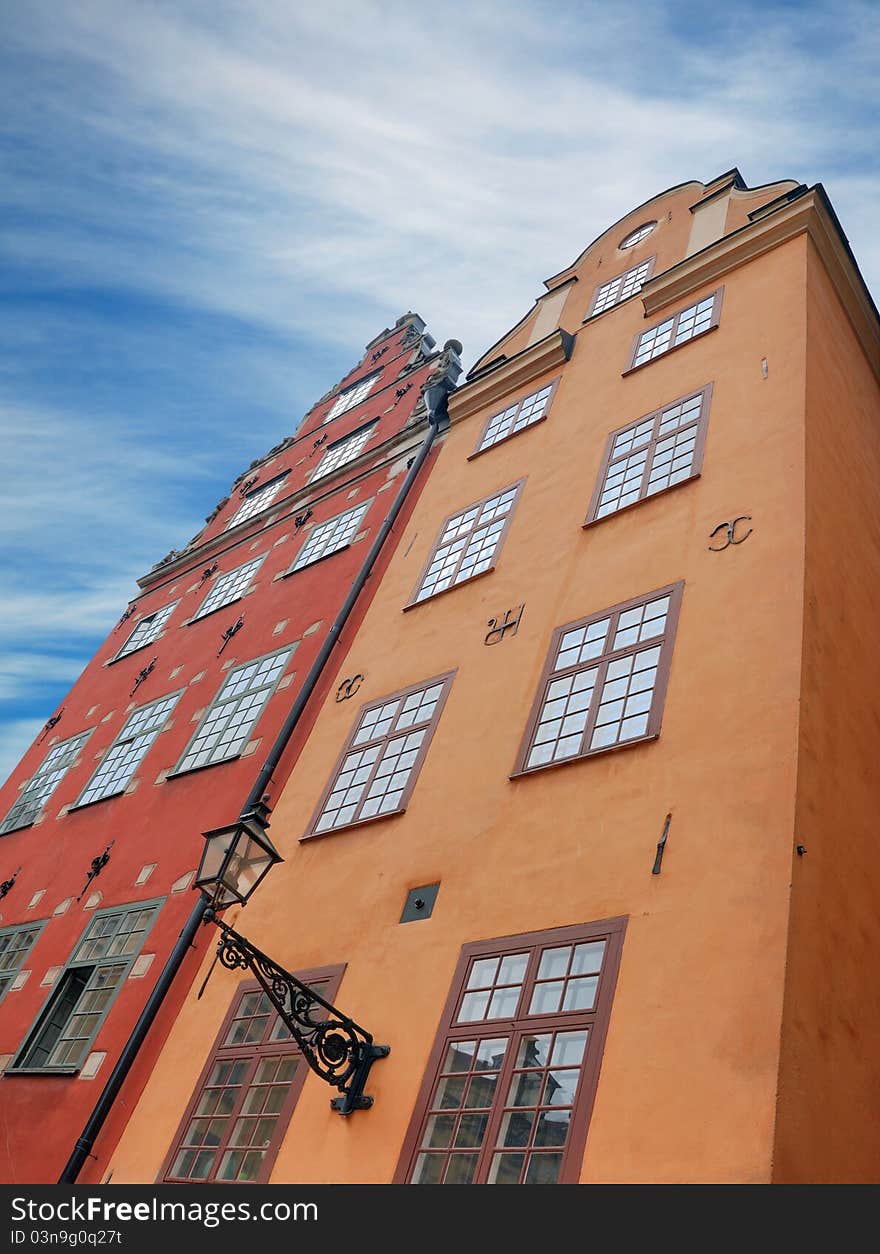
235, 861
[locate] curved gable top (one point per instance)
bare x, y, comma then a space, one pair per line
688, 216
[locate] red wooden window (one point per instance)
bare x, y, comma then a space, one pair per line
235, 1123
382, 757
468, 544
621, 287
656, 452
523, 413
683, 326
604, 681
510, 1083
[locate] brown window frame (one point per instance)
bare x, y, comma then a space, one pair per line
714, 321
601, 663
349, 747
329, 979
517, 489
519, 1024
650, 446
511, 435
650, 262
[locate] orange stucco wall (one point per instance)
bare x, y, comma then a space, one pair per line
687, 1090
829, 1108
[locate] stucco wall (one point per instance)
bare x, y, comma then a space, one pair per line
828, 1125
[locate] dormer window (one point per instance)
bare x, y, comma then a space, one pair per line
636, 236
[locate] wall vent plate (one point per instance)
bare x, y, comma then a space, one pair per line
419, 903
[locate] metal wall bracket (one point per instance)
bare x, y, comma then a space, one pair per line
56, 718
142, 675
730, 527
498, 629
6, 885
661, 845
96, 868
336, 1048
349, 687
230, 632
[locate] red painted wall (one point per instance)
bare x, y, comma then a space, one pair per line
161, 820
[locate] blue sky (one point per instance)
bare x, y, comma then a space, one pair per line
209, 208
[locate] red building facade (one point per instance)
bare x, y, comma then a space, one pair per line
163, 736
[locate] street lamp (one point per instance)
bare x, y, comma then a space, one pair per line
235, 861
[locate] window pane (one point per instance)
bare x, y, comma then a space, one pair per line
256, 501
374, 780
516, 417
226, 726
330, 537
468, 544
230, 587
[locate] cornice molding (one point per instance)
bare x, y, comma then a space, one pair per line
807, 215
310, 494
511, 375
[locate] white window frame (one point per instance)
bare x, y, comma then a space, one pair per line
255, 501
330, 537
680, 328
637, 235
343, 451
43, 783
130, 747
149, 627
232, 705
236, 581
352, 396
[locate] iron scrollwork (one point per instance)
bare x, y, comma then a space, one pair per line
730, 528
7, 885
336, 1048
52, 722
349, 687
96, 868
498, 627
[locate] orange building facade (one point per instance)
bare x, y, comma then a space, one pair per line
591, 847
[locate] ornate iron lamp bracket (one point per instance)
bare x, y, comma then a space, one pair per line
334, 1046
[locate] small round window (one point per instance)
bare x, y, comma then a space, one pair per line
636, 236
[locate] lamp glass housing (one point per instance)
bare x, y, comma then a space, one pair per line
235, 860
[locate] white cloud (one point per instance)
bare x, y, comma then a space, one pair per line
300, 175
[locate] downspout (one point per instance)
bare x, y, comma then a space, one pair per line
436, 394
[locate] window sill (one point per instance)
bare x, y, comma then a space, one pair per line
205, 766
591, 753
347, 827
120, 657
489, 447
593, 522
591, 317
453, 587
19, 827
57, 1071
294, 570
197, 618
666, 353
84, 805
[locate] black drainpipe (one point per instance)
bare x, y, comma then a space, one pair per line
436, 394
